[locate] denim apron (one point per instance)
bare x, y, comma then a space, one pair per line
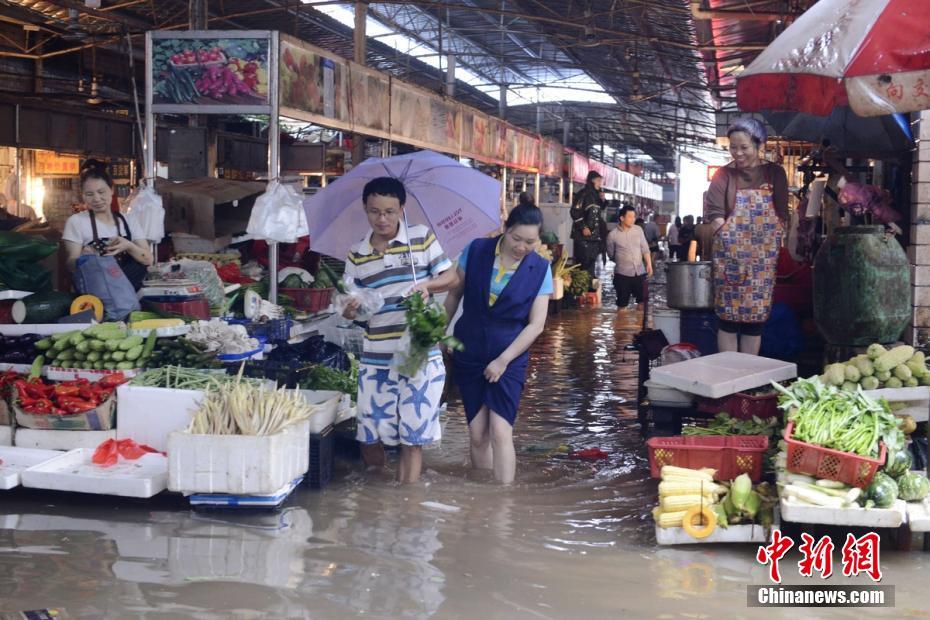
486, 330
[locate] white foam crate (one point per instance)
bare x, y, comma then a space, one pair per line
6, 435
327, 403
148, 415
918, 515
732, 534
14, 460
723, 374
60, 440
74, 471
237, 464
20, 368
916, 399
798, 512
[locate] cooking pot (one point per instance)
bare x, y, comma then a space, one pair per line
690, 285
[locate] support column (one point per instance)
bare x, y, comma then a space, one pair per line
502, 106
919, 250
198, 12
359, 48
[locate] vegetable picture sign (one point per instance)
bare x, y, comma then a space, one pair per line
211, 69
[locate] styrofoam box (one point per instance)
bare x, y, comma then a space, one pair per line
60, 440
237, 464
664, 395
799, 512
74, 471
328, 404
147, 415
918, 515
6, 435
723, 374
55, 373
43, 329
14, 460
732, 534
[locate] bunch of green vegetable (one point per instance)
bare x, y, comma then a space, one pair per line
325, 378
106, 346
178, 378
826, 416
745, 504
581, 283
182, 352
426, 323
878, 368
723, 424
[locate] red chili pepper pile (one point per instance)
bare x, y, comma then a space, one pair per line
7, 379
66, 398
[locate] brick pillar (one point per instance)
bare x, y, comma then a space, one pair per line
919, 250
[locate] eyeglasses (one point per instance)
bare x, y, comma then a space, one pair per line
389, 214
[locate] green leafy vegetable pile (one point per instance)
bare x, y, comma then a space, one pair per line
826, 416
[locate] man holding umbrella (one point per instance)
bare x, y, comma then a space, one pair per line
396, 260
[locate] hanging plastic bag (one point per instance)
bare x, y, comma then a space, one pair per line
278, 214
102, 277
371, 300
147, 214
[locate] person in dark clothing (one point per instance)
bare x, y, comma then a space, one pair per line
525, 200
686, 235
587, 231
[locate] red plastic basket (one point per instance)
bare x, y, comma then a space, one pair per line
309, 299
730, 456
827, 464
743, 406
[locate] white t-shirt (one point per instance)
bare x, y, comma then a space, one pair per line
78, 229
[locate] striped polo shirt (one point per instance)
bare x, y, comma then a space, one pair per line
390, 273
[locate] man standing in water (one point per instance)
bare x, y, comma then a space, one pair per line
394, 409
628, 248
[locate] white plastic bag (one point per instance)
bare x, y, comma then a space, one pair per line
147, 214
278, 214
370, 299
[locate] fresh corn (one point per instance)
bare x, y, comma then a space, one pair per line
691, 486
671, 519
704, 474
674, 503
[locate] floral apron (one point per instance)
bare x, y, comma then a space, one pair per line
745, 258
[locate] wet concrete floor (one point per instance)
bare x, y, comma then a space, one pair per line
570, 539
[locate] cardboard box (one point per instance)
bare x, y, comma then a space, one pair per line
208, 208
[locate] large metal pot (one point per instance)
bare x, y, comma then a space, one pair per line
690, 285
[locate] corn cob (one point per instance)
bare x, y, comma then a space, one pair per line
671, 519
674, 503
703, 474
689, 486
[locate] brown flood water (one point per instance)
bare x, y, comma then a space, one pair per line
570, 539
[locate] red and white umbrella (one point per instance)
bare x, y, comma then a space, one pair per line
872, 55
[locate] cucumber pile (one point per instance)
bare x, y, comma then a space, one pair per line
106, 346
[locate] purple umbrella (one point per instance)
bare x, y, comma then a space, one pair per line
459, 203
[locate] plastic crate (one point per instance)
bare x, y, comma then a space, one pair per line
275, 330
743, 406
730, 456
347, 446
322, 448
287, 373
309, 299
828, 464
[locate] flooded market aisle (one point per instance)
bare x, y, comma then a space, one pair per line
570, 539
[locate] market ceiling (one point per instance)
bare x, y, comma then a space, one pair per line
641, 58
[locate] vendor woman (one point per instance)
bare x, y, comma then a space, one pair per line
747, 204
99, 230
506, 287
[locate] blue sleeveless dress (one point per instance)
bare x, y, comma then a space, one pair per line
486, 330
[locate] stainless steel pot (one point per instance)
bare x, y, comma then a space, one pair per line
690, 285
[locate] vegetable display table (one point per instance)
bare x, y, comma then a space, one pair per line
798, 512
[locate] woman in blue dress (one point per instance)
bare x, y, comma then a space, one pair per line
505, 287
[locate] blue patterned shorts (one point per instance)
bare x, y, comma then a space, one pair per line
393, 409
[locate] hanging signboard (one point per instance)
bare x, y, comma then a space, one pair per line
522, 150
411, 114
49, 163
211, 72
446, 125
314, 84
550, 158
369, 101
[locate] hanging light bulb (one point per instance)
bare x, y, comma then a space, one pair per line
94, 98
92, 4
